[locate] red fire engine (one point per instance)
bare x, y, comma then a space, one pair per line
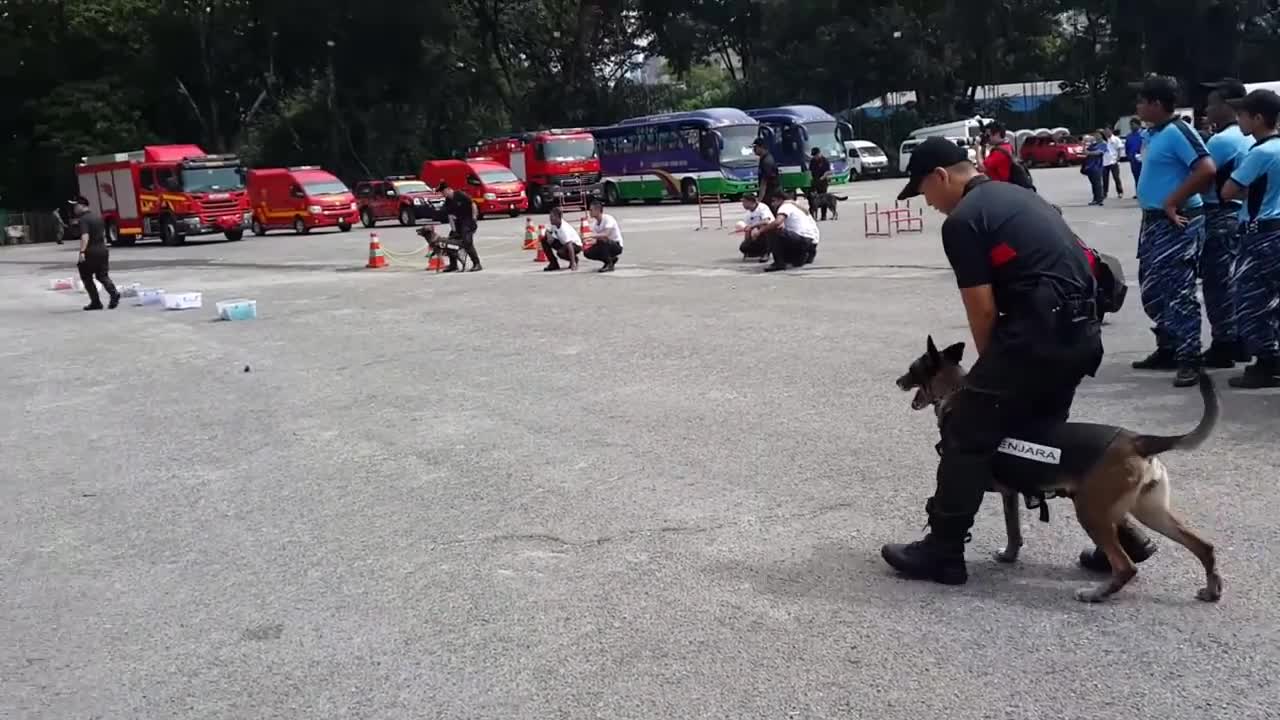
554, 164
166, 191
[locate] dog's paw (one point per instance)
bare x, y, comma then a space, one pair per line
1006, 555
1095, 594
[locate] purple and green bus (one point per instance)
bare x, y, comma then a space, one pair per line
678, 155
793, 131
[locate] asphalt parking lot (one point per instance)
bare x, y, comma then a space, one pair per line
657, 493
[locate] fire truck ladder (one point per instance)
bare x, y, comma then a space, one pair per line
710, 207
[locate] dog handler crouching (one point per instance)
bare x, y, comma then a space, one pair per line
1029, 295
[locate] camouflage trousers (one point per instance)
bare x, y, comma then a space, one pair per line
1258, 292
1218, 270
1168, 265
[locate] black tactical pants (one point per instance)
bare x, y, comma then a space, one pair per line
95, 265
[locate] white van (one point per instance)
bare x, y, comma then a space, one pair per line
904, 152
866, 159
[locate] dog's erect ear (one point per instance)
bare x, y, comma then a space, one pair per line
931, 350
954, 353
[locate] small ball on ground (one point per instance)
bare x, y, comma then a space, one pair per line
742, 225
246, 368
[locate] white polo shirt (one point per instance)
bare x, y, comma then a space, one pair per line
565, 233
798, 221
608, 227
761, 215
1111, 155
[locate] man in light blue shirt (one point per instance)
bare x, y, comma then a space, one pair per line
1222, 227
1176, 167
1257, 182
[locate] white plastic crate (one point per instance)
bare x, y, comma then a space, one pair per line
182, 301
238, 309
150, 296
130, 290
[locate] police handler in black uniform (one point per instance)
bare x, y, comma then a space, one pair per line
94, 256
767, 170
1028, 292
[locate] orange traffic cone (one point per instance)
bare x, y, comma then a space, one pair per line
530, 240
376, 258
541, 257
436, 263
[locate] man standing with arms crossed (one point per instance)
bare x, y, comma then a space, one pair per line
819, 180
1175, 167
93, 260
1222, 227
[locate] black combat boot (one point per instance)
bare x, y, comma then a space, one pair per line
1137, 545
938, 557
933, 558
1161, 359
1222, 354
1263, 373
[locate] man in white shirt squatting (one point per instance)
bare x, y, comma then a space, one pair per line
560, 242
608, 238
792, 235
754, 243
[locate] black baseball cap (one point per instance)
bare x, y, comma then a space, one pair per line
1228, 88
933, 153
1258, 102
78, 200
1158, 88
759, 142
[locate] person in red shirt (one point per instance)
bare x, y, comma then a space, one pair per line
999, 158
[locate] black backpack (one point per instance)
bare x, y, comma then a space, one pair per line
1018, 173
1108, 275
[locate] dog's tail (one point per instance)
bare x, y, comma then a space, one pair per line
1149, 445
841, 198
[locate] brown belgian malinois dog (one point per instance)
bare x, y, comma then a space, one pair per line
1120, 477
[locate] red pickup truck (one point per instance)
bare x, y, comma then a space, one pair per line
1058, 151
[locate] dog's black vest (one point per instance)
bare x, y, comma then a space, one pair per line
1034, 459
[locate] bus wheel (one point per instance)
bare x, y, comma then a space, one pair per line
258, 228
689, 191
113, 233
536, 204
611, 195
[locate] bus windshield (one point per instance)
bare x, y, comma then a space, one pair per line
222, 179
737, 144
569, 149
822, 135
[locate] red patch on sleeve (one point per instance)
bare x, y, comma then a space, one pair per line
1002, 254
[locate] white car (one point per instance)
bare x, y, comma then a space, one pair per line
866, 159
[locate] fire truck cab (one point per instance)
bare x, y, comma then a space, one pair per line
553, 164
166, 191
